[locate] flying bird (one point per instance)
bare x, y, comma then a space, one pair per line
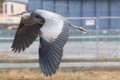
53, 31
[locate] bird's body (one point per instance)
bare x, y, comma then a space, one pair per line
53, 25
53, 30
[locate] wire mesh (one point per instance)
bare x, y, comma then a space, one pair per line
96, 43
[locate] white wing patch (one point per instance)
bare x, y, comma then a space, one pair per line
52, 27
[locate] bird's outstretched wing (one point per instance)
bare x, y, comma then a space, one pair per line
50, 53
25, 35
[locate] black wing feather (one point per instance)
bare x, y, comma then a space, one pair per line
50, 53
25, 35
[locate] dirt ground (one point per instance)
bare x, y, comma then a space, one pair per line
35, 74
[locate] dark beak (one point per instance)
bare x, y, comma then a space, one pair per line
14, 15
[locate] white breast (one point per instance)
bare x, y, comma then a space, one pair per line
52, 27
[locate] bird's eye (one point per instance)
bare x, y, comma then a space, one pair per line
37, 16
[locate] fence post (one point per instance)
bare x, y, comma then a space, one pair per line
97, 36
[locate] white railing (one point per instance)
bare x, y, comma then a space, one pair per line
10, 20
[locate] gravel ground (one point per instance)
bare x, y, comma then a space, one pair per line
31, 74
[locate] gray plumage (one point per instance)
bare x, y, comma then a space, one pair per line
50, 54
53, 30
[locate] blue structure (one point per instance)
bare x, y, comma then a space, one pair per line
82, 8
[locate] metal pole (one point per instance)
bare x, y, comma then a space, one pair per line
97, 36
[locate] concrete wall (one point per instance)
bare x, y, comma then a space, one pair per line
13, 7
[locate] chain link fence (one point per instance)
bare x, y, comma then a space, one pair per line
98, 42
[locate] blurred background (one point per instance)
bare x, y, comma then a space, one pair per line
100, 17
97, 47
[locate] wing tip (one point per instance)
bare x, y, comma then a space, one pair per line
49, 58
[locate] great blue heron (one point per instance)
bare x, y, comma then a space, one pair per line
53, 30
